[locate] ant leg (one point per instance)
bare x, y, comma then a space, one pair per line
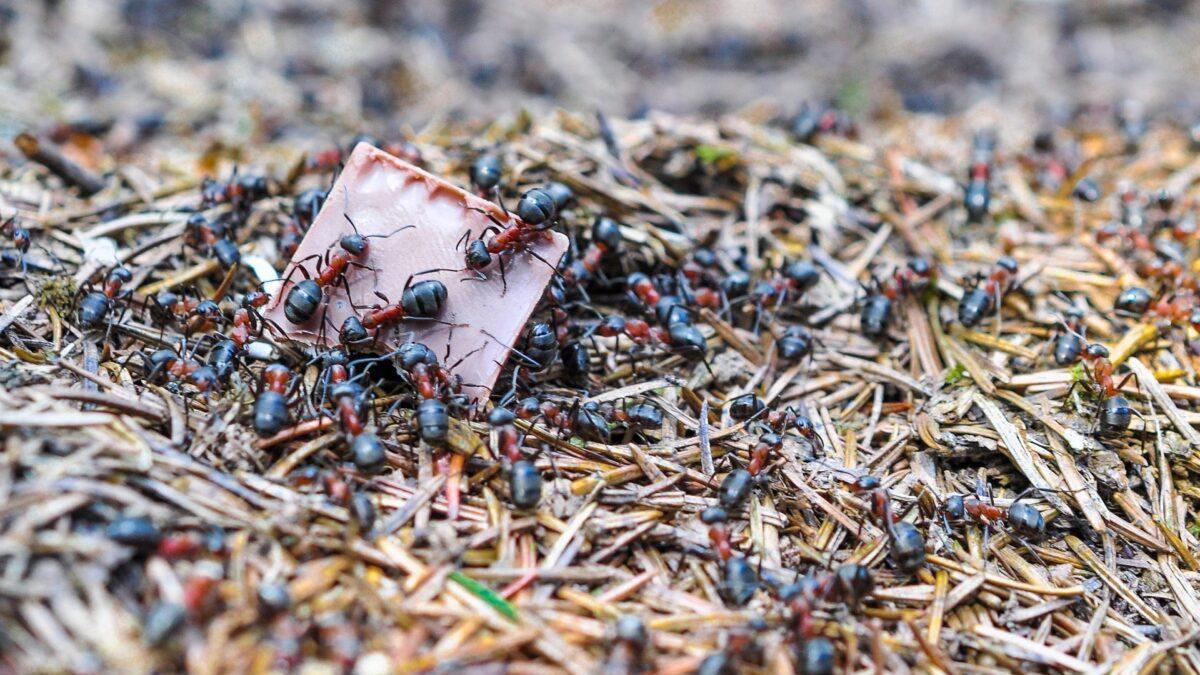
500, 201
298, 265
510, 348
361, 266
349, 298
490, 216
503, 279
1020, 540
437, 269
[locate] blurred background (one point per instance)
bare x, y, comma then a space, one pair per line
327, 66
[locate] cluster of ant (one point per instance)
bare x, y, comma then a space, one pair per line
663, 308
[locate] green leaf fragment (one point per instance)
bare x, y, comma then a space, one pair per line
711, 154
487, 595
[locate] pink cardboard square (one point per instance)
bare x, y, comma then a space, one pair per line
381, 194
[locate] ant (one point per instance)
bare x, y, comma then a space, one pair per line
271, 412
797, 278
1021, 516
486, 172
96, 305
239, 190
524, 480
305, 208
536, 212
1023, 520
907, 545
427, 376
813, 121
247, 318
194, 314
303, 298
981, 299
223, 358
910, 280
796, 344
1069, 345
587, 420
1171, 310
680, 334
213, 238
350, 399
1116, 413
977, 196
422, 300
627, 655
179, 369
21, 240
606, 239
748, 407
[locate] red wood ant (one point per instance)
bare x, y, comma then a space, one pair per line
271, 412
350, 399
535, 216
606, 239
303, 298
978, 196
240, 190
525, 481
247, 319
1022, 519
913, 278
980, 300
211, 237
180, 369
96, 305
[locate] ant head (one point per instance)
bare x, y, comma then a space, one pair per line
207, 308
122, 274
855, 580
354, 244
1096, 351
528, 407
954, 507
196, 221
607, 232
353, 332
410, 354
804, 274
1026, 519
477, 255
736, 284
713, 515
920, 267
255, 299
332, 357
161, 357
205, 379
501, 417
867, 482
705, 257
1008, 264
